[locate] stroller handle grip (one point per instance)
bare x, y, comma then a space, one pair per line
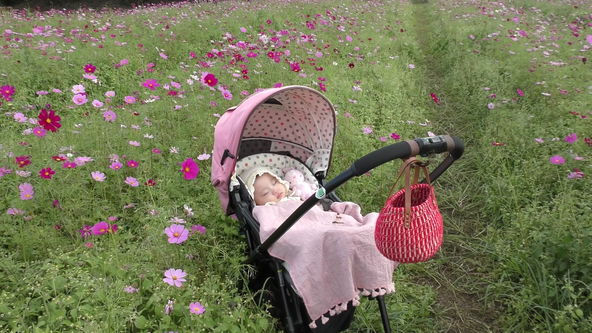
421, 146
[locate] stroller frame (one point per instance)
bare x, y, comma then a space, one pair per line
299, 122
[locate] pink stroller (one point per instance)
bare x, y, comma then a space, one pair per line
294, 127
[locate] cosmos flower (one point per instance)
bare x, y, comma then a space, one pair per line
190, 169
7, 92
177, 234
46, 173
89, 68
174, 277
557, 159
151, 84
27, 191
49, 120
196, 308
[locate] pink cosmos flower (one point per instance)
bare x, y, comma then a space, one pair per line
79, 99
132, 164
130, 289
129, 99
575, 174
27, 191
177, 233
109, 116
571, 138
163, 55
226, 94
110, 93
151, 84
98, 176
97, 104
116, 165
557, 159
78, 89
395, 136
174, 277
589, 39
491, 106
134, 143
86, 231
39, 132
131, 181
68, 165
203, 157
367, 130
190, 169
196, 308
198, 228
14, 211
4, 171
520, 92
168, 308
100, 228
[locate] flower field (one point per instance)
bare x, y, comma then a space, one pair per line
108, 220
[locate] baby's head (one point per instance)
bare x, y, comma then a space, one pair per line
268, 188
264, 186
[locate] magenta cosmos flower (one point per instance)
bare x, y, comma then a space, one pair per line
151, 84
209, 79
89, 68
7, 92
177, 234
46, 173
190, 169
174, 277
557, 159
196, 308
571, 138
49, 120
100, 228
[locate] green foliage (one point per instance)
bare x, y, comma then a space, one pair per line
518, 231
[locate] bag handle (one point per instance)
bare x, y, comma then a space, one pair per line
405, 169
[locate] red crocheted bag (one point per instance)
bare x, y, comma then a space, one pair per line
409, 228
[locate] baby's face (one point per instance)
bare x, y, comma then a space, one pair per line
268, 189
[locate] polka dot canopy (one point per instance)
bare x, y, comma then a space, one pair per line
299, 123
294, 121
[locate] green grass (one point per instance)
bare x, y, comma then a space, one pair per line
518, 231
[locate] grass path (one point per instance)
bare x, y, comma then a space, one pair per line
459, 275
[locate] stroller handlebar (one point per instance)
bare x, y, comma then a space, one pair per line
421, 146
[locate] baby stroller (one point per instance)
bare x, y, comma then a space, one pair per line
294, 127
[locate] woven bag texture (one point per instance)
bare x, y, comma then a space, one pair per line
422, 238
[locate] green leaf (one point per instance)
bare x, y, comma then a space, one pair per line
141, 322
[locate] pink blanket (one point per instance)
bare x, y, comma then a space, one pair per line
329, 263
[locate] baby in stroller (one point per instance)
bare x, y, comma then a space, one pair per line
330, 254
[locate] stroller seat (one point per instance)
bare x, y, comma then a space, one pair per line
285, 298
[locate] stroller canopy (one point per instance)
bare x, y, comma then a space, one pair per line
295, 120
